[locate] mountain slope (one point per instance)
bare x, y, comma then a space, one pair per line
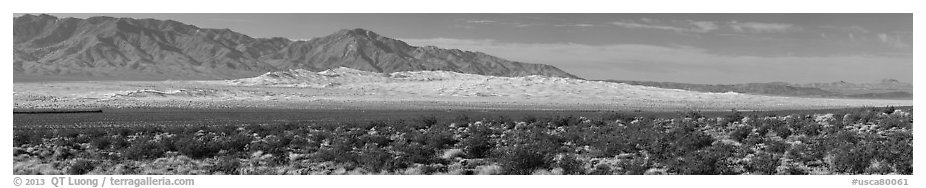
368, 51
106, 47
47, 47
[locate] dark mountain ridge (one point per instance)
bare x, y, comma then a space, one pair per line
107, 48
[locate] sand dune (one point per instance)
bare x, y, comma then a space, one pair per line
345, 87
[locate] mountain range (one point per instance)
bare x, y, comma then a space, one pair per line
885, 85
48, 48
107, 48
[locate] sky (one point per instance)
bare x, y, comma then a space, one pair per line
690, 48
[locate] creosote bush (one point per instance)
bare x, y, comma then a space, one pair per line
853, 141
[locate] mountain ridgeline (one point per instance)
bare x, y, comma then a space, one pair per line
107, 48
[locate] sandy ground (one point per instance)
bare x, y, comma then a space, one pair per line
352, 89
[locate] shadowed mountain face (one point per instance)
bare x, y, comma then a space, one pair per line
106, 48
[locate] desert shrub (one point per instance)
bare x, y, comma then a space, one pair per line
87, 135
500, 120
462, 119
634, 166
530, 119
270, 144
679, 141
424, 122
841, 138
527, 151
378, 139
551, 143
569, 164
413, 153
709, 161
623, 117
227, 166
284, 127
301, 143
811, 129
67, 142
777, 147
375, 124
852, 159
734, 116
601, 169
828, 131
582, 134
696, 163
796, 124
740, 133
123, 131
807, 152
904, 164
639, 136
764, 163
791, 169
613, 140
196, 148
892, 122
348, 138
81, 166
477, 143
437, 137
564, 121
897, 150
317, 137
762, 130
234, 142
693, 114
102, 142
335, 155
867, 116
143, 148
340, 150
524, 159
26, 137
374, 158
878, 167
782, 131
887, 110
66, 133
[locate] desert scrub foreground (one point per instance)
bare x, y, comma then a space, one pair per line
859, 141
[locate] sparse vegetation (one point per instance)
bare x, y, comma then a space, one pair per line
858, 141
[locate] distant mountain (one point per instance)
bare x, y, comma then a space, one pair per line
883, 86
778, 88
97, 48
886, 89
886, 95
368, 51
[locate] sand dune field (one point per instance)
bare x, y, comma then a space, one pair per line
348, 88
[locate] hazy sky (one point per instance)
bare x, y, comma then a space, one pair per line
694, 48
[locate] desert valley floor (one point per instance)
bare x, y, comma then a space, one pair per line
345, 121
345, 88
